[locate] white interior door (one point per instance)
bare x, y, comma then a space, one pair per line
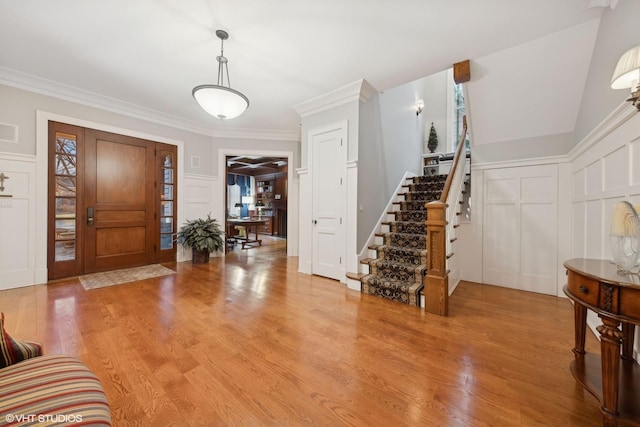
328, 203
521, 228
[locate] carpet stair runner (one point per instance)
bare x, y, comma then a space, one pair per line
400, 265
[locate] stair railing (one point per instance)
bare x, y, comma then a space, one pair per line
440, 222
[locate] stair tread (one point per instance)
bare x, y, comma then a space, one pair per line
355, 276
397, 272
386, 282
401, 248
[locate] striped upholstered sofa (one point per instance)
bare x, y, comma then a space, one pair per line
51, 390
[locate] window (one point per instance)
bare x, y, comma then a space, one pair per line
459, 111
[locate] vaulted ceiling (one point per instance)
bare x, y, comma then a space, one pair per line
144, 57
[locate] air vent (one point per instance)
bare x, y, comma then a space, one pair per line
8, 133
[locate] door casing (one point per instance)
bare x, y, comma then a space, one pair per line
123, 226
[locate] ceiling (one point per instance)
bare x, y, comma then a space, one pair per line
144, 57
255, 165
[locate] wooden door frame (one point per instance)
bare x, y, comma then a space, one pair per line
42, 168
292, 198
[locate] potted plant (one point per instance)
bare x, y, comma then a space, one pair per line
432, 143
203, 236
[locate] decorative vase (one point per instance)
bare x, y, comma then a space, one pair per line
624, 236
199, 257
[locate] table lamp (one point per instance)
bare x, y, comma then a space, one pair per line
624, 237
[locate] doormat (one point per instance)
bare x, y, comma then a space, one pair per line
116, 277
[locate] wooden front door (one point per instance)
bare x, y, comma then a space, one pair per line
119, 201
111, 201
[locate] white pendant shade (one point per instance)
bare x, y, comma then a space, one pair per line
627, 72
220, 101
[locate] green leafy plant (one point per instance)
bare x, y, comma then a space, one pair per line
201, 235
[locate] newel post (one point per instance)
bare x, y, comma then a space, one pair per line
436, 282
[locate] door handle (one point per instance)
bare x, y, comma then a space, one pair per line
315, 221
90, 215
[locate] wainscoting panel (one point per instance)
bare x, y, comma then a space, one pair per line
634, 149
616, 169
595, 225
17, 216
612, 169
578, 227
520, 228
199, 200
594, 177
578, 187
610, 157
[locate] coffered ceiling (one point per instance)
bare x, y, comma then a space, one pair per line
255, 165
144, 57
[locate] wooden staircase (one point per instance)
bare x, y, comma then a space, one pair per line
398, 269
421, 225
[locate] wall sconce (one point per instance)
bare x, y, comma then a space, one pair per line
627, 74
419, 106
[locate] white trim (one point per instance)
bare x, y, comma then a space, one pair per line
292, 212
76, 95
360, 90
618, 116
17, 157
198, 176
550, 160
42, 166
450, 138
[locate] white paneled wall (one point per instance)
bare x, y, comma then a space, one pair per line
17, 214
520, 228
605, 169
200, 193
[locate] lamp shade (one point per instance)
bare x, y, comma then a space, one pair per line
260, 203
627, 72
220, 101
238, 205
624, 236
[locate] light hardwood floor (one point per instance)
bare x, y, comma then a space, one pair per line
247, 340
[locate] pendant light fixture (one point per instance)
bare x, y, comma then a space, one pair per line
219, 100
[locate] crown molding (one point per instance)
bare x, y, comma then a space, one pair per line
602, 3
360, 90
31, 83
